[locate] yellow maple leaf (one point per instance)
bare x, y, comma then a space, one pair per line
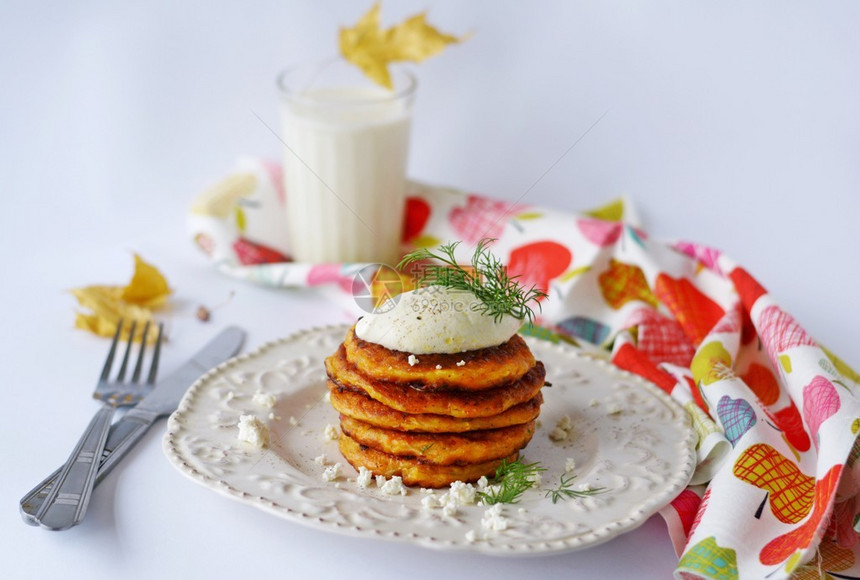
148, 288
107, 305
371, 49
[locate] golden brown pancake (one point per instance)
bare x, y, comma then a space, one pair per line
414, 471
484, 368
461, 404
359, 406
441, 448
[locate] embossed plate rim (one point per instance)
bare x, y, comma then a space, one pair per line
275, 504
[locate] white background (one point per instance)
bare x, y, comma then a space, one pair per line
734, 124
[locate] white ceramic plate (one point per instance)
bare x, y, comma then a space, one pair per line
628, 437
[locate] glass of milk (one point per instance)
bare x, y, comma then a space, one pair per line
346, 146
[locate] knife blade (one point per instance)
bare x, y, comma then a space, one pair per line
162, 401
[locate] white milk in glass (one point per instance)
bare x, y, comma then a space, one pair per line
345, 172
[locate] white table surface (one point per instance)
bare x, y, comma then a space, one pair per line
734, 125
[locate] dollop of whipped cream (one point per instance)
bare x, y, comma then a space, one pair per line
436, 320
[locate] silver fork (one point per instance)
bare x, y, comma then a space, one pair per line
67, 501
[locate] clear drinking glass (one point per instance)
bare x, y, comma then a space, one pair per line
347, 143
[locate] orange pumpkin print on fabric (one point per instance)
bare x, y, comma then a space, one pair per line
788, 420
538, 263
830, 558
660, 337
631, 359
622, 283
782, 547
761, 381
687, 507
790, 491
748, 287
696, 313
416, 216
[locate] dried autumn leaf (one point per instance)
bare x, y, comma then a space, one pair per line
108, 304
107, 309
371, 49
148, 288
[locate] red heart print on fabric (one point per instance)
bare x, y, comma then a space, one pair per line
538, 263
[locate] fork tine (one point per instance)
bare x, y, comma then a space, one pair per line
124, 364
139, 364
153, 370
109, 361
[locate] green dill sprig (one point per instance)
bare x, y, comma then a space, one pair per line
487, 278
510, 482
564, 490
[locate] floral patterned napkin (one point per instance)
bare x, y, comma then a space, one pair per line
776, 488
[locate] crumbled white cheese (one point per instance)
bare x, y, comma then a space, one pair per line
438, 367
558, 434
380, 480
483, 482
264, 399
464, 492
458, 495
253, 431
321, 459
425, 491
331, 472
428, 502
563, 429
393, 486
490, 490
521, 511
471, 536
462, 363
364, 477
493, 519
569, 465
535, 478
412, 360
293, 421
584, 487
331, 433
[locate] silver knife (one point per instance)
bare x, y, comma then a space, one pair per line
162, 401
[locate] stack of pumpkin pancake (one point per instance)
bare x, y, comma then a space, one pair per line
433, 419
